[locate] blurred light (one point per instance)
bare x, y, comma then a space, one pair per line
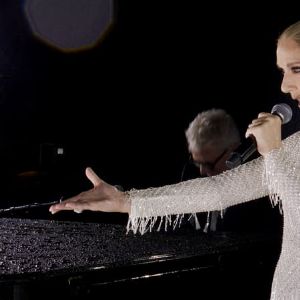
70, 25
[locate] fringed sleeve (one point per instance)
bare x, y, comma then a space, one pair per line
152, 208
282, 172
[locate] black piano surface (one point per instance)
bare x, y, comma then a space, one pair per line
43, 259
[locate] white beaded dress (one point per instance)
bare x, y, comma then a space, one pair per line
277, 174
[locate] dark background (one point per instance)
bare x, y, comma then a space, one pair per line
122, 107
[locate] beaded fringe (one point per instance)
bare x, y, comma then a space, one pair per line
145, 224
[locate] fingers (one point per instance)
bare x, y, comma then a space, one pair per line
261, 118
76, 207
58, 207
255, 123
69, 204
263, 114
83, 200
266, 130
92, 176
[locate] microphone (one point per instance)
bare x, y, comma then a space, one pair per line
248, 147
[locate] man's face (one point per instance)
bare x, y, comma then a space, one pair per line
210, 160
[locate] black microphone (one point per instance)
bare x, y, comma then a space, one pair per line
248, 147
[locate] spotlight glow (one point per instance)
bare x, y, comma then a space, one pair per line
70, 25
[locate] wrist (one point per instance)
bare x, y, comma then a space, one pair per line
125, 203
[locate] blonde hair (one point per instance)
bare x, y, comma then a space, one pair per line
292, 32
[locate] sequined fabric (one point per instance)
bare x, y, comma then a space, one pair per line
277, 175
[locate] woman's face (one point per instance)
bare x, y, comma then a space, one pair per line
288, 61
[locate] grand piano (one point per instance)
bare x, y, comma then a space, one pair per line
78, 259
